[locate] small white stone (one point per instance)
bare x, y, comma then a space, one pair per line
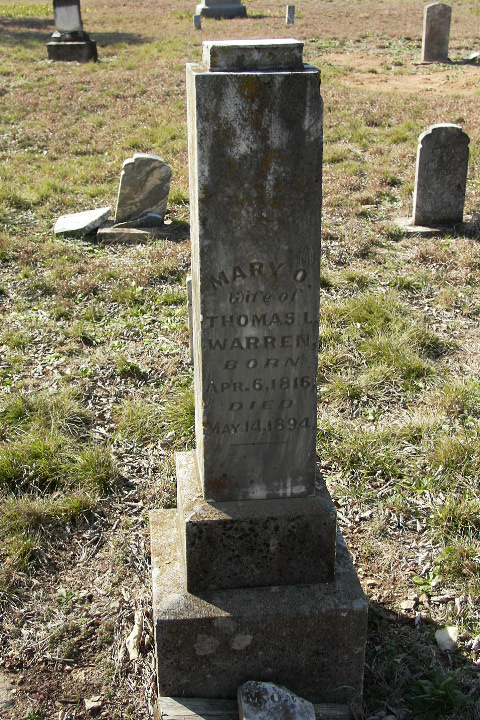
447, 638
267, 701
81, 223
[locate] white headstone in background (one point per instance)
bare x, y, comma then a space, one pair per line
441, 176
67, 16
290, 15
436, 32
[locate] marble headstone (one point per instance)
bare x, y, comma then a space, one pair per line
436, 32
441, 176
143, 191
67, 16
290, 15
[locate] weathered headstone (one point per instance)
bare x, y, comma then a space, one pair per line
143, 191
70, 42
441, 176
197, 22
290, 15
221, 9
267, 701
436, 32
249, 577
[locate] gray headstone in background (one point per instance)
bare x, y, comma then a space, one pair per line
197, 22
441, 176
143, 191
290, 15
221, 9
67, 16
436, 32
267, 701
81, 223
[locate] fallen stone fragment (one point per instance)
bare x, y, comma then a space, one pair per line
473, 57
93, 704
81, 223
441, 599
476, 644
409, 604
6, 694
447, 638
133, 640
267, 701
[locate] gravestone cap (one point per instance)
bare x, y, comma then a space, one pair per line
245, 55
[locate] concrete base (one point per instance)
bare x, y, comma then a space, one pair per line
170, 230
309, 638
73, 51
221, 10
406, 224
253, 543
168, 708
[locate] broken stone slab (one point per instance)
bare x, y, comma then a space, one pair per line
268, 701
144, 188
81, 223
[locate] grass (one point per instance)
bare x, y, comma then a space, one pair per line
95, 383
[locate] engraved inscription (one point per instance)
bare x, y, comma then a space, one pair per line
264, 346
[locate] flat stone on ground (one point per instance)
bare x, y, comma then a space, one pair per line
144, 188
81, 223
267, 701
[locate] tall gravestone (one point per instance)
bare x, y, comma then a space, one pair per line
436, 32
70, 42
250, 579
441, 176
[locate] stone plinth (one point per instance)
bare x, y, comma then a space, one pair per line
255, 181
436, 32
83, 50
309, 638
441, 176
251, 544
219, 9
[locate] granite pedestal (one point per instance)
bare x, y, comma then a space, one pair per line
82, 50
309, 638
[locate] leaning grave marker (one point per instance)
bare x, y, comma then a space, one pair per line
250, 580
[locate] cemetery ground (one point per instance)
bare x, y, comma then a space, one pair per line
95, 382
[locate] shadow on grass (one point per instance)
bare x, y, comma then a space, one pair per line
34, 31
